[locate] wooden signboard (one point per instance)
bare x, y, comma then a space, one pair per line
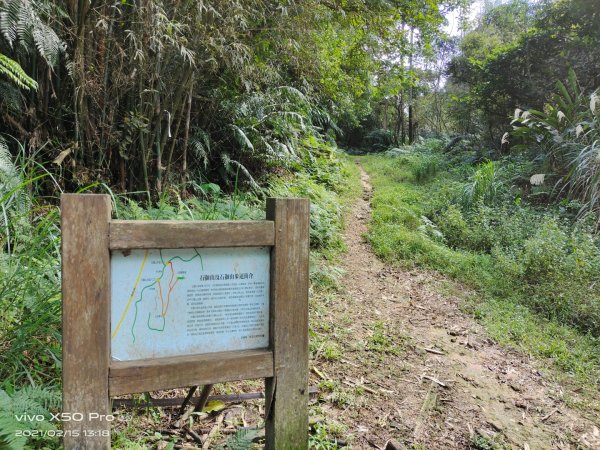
150, 305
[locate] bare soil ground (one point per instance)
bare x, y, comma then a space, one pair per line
419, 372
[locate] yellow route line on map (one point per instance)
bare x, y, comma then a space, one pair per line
131, 296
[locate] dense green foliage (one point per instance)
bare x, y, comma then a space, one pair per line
143, 96
199, 110
564, 140
474, 224
513, 57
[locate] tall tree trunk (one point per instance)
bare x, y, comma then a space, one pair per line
186, 137
400, 112
385, 114
399, 134
411, 126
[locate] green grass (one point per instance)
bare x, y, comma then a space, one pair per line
480, 442
382, 342
325, 436
534, 272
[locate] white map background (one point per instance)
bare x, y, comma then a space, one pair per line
190, 301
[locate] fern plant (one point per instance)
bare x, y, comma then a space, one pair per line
15, 73
242, 439
25, 31
12, 99
270, 124
23, 411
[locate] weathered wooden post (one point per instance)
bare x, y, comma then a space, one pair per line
287, 390
86, 320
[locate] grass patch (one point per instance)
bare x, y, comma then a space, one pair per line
381, 341
327, 436
480, 442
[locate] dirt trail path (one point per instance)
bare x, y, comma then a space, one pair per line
415, 370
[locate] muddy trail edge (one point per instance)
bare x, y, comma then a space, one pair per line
413, 371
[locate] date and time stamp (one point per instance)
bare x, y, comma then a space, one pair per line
71, 431
27, 433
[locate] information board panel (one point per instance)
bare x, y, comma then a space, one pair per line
188, 301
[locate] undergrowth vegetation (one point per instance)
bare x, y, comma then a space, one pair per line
30, 313
536, 266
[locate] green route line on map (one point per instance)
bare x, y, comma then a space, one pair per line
156, 281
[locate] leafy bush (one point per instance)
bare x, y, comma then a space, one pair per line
484, 186
268, 126
551, 269
558, 272
325, 212
379, 140
418, 163
322, 179
567, 133
453, 226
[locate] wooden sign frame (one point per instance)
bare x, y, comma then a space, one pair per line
91, 377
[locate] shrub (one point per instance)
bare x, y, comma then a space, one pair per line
379, 140
424, 167
321, 179
567, 134
484, 185
560, 276
453, 226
